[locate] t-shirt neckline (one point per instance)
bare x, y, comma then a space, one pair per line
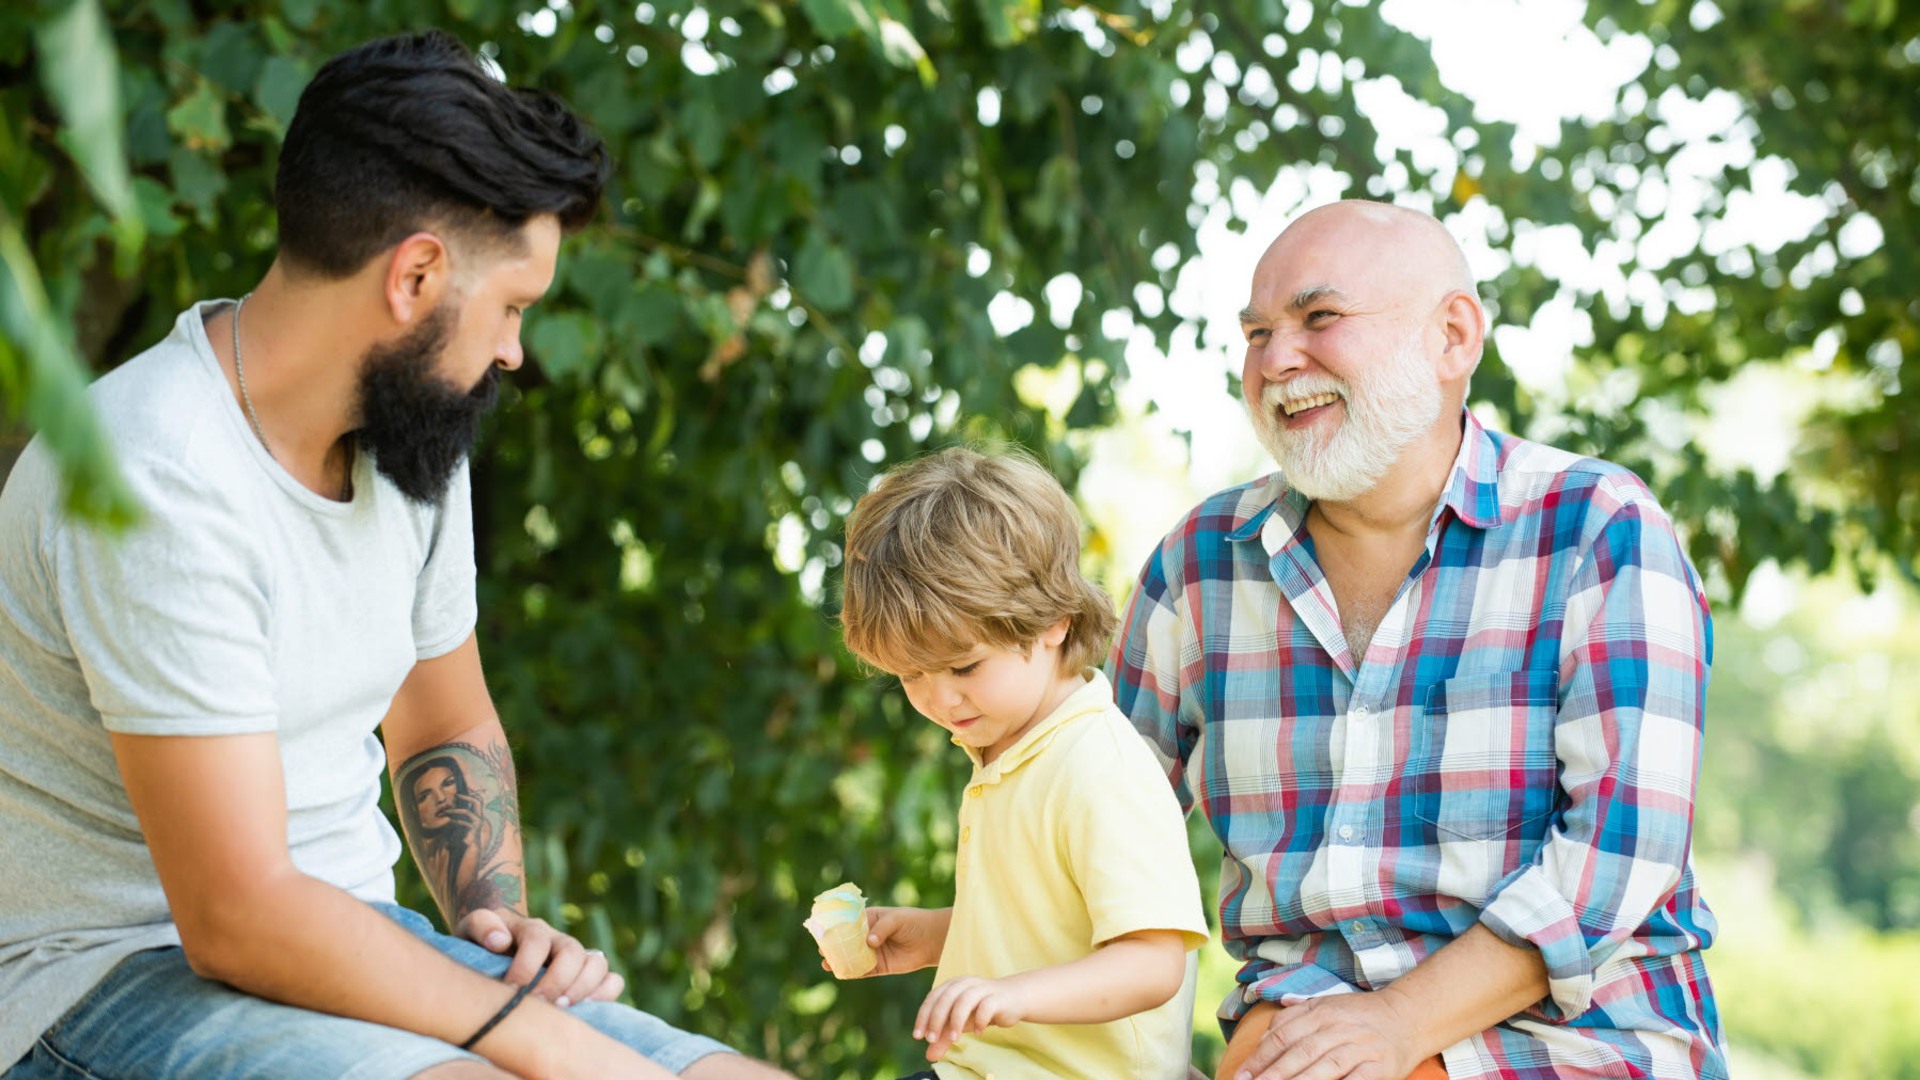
195, 324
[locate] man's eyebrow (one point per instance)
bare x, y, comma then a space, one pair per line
1306, 298
1302, 300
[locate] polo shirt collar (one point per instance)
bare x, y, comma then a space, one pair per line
1095, 697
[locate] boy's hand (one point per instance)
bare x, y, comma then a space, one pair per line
966, 1004
905, 939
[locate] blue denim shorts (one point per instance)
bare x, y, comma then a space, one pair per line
152, 1018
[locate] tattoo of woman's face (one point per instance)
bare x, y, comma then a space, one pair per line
438, 798
458, 806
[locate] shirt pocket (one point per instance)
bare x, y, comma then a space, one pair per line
1482, 764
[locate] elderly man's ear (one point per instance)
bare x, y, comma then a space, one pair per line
1464, 323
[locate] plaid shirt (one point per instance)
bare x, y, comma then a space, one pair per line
1519, 747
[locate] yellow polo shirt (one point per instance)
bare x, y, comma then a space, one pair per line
1071, 838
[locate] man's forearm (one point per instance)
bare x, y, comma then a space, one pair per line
299, 941
1468, 986
459, 804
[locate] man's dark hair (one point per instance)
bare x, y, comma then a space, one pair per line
410, 132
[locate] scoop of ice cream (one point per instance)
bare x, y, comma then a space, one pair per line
839, 924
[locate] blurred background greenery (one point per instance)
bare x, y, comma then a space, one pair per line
844, 231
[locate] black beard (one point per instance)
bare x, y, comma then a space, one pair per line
418, 427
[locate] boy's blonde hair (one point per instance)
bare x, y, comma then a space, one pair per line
962, 548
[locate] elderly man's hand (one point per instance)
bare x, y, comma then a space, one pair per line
1341, 1037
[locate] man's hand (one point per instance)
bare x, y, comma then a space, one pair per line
575, 973
1340, 1037
966, 1004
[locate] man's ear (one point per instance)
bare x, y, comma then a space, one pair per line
1463, 328
419, 275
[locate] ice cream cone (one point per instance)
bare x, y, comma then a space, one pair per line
839, 925
848, 953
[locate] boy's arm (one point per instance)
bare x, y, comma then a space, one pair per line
905, 939
1128, 975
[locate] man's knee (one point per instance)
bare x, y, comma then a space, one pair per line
463, 1070
732, 1067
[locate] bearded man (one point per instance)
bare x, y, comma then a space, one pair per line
1439, 693
198, 879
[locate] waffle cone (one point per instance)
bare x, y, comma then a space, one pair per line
847, 951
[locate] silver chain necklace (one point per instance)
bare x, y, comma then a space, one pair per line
240, 373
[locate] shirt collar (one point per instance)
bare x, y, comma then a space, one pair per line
1473, 487
1472, 493
1095, 697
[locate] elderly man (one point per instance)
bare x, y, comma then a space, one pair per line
1439, 692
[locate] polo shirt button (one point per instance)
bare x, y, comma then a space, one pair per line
966, 833
1346, 832
1358, 927
1359, 710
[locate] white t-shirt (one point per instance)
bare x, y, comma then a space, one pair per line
242, 603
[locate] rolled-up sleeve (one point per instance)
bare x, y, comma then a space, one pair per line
1635, 652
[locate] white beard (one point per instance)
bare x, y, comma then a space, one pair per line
1386, 408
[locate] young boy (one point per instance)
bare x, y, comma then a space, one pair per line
1076, 906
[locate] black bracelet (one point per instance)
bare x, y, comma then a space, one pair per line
504, 1010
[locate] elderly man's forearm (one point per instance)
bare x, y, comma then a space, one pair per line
1468, 986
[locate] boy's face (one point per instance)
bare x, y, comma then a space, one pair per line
992, 696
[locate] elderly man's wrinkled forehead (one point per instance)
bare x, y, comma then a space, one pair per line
1361, 247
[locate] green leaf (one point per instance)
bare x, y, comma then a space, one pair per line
824, 275
903, 50
198, 182
653, 313
79, 68
299, 13
200, 120
231, 57
156, 208
833, 18
565, 344
1009, 22
278, 90
56, 389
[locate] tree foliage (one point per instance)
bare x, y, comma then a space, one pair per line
815, 208
1819, 97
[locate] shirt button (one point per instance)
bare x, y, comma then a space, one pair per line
1346, 832
966, 833
1359, 710
1357, 926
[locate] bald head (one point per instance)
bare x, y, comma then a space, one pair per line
1397, 249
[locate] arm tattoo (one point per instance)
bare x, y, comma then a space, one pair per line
460, 806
